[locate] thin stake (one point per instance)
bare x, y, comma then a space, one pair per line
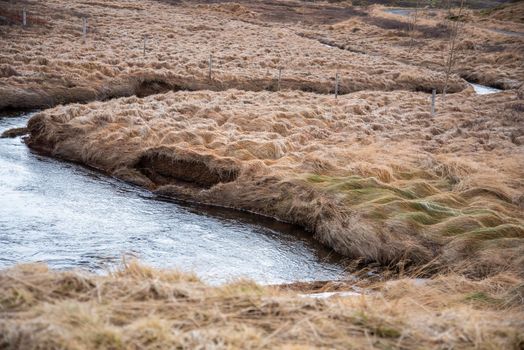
84, 29
336, 86
210, 66
279, 77
24, 17
433, 96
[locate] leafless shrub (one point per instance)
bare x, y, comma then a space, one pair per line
455, 30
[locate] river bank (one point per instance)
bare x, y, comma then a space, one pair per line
318, 115
69, 216
372, 175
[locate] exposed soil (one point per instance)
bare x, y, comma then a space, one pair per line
167, 167
290, 11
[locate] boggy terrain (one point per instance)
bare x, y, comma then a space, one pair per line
371, 174
488, 49
47, 63
136, 307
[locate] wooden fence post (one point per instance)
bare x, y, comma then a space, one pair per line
433, 97
210, 66
336, 85
279, 78
84, 29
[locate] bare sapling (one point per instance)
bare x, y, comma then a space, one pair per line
279, 78
455, 26
412, 26
84, 29
336, 85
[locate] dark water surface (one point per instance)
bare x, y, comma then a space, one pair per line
72, 217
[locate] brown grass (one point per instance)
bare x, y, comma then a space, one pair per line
513, 12
137, 307
387, 35
54, 67
371, 174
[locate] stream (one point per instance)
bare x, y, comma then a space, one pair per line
69, 216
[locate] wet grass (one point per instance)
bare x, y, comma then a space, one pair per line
426, 208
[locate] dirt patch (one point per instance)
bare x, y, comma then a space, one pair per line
173, 167
438, 31
151, 87
292, 12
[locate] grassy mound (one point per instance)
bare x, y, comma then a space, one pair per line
371, 175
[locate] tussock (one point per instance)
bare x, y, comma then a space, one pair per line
14, 132
414, 188
137, 307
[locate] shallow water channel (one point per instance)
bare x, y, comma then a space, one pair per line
69, 216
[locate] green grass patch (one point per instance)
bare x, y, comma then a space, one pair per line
422, 204
482, 298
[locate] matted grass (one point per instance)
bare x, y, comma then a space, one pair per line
136, 307
372, 175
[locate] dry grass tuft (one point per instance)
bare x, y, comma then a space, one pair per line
137, 307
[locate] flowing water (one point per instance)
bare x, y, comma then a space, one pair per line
400, 12
69, 216
484, 90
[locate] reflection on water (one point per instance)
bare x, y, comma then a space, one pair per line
70, 216
400, 12
484, 90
